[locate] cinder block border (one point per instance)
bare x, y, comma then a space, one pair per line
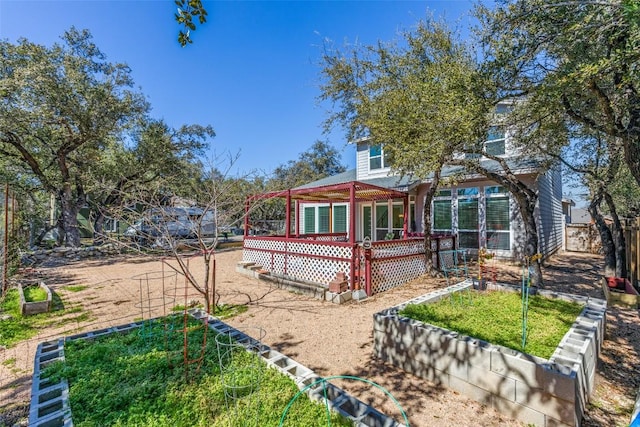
50, 402
534, 390
36, 307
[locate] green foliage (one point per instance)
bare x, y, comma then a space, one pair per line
319, 161
495, 317
123, 380
75, 288
34, 293
187, 11
18, 328
61, 106
578, 62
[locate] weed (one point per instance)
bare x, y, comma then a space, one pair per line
75, 288
34, 294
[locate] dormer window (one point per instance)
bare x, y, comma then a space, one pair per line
378, 159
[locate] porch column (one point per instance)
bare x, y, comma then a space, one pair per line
352, 213
297, 224
405, 228
246, 217
287, 226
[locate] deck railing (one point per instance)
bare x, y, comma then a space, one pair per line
317, 259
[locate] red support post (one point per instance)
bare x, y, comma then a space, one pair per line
405, 229
246, 218
287, 226
352, 213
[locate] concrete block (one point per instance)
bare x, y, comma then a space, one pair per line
551, 406
340, 298
514, 364
499, 385
518, 411
473, 391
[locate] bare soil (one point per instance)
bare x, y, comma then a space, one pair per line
330, 339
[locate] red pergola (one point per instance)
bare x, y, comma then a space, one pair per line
351, 192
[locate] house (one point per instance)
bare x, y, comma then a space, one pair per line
372, 205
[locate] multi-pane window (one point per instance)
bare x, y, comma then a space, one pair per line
442, 220
382, 220
340, 219
495, 141
468, 230
309, 220
323, 219
378, 159
498, 218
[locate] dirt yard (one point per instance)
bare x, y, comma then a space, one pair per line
330, 339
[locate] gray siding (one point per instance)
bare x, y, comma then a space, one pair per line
550, 211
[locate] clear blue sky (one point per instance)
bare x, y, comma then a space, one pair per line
252, 71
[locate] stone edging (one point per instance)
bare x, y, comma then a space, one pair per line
50, 402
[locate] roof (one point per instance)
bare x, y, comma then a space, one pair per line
338, 192
337, 188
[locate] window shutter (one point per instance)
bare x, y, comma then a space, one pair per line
339, 219
309, 220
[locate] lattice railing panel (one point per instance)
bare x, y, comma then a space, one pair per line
397, 248
265, 244
316, 270
314, 249
387, 274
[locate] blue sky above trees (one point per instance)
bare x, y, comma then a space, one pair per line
252, 71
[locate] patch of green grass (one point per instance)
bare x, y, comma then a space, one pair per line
138, 379
9, 362
20, 328
34, 294
496, 317
75, 288
226, 311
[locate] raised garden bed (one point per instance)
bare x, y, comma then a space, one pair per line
620, 292
50, 405
538, 391
30, 305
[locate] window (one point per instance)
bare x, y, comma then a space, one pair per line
498, 218
110, 225
442, 218
323, 219
378, 159
495, 141
382, 220
340, 219
309, 220
442, 215
397, 220
468, 231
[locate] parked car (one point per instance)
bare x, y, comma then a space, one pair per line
171, 222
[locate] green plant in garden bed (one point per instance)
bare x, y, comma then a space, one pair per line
495, 317
75, 288
34, 294
17, 328
126, 379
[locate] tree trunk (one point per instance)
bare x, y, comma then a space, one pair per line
70, 211
98, 229
426, 219
531, 249
619, 242
606, 238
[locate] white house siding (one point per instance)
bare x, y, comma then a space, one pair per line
550, 211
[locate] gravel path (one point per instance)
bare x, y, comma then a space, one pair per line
330, 339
